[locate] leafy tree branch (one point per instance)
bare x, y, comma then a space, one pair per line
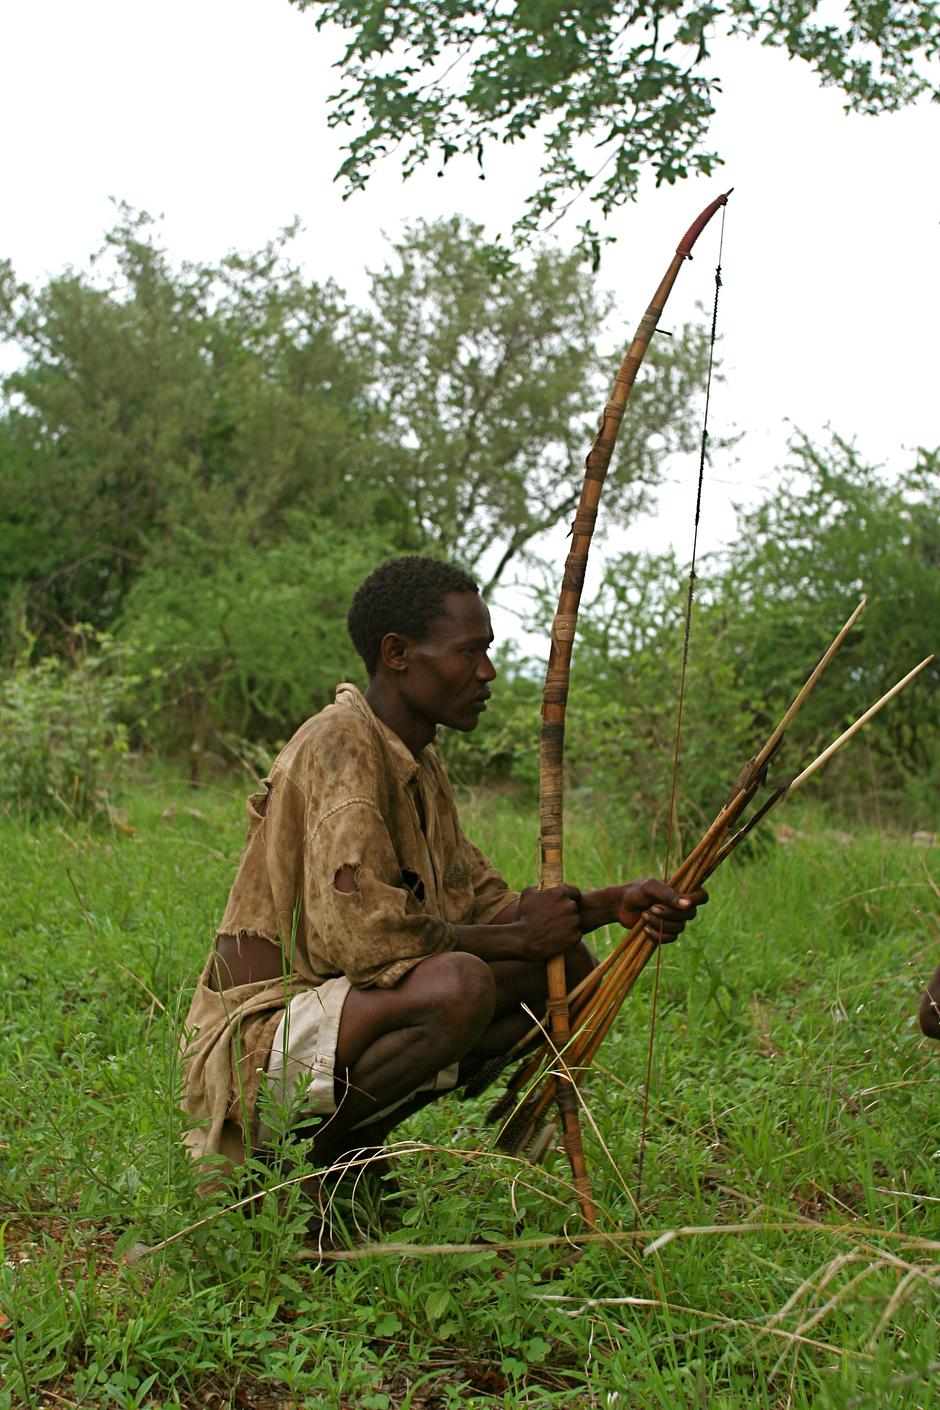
612, 88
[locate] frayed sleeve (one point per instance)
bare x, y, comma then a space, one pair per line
265, 892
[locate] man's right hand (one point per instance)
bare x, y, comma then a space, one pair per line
551, 921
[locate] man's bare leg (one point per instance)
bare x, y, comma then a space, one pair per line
521, 995
391, 1041
450, 1008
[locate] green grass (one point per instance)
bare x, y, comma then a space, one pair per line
792, 1146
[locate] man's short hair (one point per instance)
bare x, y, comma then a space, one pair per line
404, 596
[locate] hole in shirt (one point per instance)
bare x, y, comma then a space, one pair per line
414, 883
346, 878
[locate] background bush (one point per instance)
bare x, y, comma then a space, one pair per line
249, 639
62, 742
204, 460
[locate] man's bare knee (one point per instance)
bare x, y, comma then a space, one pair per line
457, 990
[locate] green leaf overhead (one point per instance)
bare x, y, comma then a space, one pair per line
613, 88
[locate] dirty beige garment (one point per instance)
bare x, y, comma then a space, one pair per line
345, 791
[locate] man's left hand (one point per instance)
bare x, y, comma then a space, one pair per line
665, 911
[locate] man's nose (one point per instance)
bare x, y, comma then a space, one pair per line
487, 671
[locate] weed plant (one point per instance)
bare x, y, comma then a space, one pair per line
785, 1248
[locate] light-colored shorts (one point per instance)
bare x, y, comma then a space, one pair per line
299, 1080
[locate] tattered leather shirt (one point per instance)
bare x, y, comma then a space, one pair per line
344, 792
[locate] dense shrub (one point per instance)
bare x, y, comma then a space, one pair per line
250, 639
61, 739
764, 612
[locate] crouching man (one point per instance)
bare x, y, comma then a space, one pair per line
370, 957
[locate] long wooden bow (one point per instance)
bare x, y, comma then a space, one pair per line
555, 692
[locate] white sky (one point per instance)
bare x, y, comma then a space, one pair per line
212, 113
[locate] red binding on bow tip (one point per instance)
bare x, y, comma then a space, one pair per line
684, 246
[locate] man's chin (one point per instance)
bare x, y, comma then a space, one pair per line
466, 724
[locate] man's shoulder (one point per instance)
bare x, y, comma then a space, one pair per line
339, 732
347, 714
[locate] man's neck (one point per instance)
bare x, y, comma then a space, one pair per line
388, 705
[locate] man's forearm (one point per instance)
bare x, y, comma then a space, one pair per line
596, 908
500, 940
537, 926
550, 922
599, 907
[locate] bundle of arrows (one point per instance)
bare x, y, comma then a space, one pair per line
556, 1054
532, 1091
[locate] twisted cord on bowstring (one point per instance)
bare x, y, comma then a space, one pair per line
687, 629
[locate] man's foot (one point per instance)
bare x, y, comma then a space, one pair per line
363, 1189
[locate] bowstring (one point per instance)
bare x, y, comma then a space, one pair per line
687, 629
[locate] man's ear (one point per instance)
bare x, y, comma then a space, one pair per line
394, 651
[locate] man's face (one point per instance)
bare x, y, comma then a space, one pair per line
447, 681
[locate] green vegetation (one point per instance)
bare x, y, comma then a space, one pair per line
197, 466
203, 461
206, 460
764, 612
792, 1140
634, 81
61, 740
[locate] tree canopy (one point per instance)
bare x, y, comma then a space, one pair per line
490, 382
834, 528
149, 398
615, 88
200, 463
205, 460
